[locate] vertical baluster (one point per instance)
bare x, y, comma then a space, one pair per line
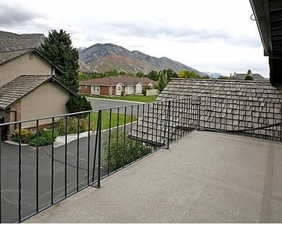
124, 134
168, 125
52, 162
88, 148
99, 150
37, 175
1, 127
96, 146
109, 143
66, 154
77, 154
20, 174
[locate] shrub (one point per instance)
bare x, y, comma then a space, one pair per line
72, 127
249, 77
78, 104
123, 153
26, 136
43, 138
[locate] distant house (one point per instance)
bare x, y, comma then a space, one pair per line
116, 85
29, 88
242, 76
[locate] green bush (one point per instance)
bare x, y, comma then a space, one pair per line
78, 104
72, 125
122, 153
249, 77
43, 138
26, 136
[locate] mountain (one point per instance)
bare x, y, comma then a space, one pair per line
214, 75
107, 57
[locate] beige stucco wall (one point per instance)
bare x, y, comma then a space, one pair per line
47, 100
28, 64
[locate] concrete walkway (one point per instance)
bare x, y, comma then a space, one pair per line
205, 177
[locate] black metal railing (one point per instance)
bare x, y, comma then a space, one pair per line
46, 160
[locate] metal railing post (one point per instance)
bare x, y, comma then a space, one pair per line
199, 113
168, 124
99, 151
0, 174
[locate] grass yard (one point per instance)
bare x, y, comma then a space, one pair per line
106, 119
135, 98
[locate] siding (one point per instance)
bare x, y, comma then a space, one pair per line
47, 100
28, 64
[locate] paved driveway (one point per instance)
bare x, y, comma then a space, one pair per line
98, 104
10, 174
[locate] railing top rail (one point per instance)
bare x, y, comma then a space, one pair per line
84, 112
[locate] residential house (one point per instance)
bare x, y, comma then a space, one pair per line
29, 88
242, 76
116, 85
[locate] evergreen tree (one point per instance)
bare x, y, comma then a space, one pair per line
162, 81
57, 47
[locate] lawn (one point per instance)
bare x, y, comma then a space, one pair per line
106, 119
135, 98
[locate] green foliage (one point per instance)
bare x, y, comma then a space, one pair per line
123, 151
140, 74
72, 125
44, 137
26, 136
189, 74
57, 47
153, 75
249, 77
162, 81
78, 104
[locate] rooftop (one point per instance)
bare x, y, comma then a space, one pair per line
205, 177
114, 80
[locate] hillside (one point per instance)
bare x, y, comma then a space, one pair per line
106, 57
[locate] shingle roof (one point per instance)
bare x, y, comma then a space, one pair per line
243, 107
114, 80
21, 86
242, 76
9, 55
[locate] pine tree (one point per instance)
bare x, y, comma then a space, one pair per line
57, 47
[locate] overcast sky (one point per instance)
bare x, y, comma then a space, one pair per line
211, 36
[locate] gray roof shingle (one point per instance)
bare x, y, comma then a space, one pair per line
9, 55
19, 87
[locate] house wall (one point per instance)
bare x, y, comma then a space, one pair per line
28, 64
138, 89
95, 90
85, 89
104, 90
129, 90
118, 89
47, 100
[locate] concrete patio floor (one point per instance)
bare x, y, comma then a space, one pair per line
205, 177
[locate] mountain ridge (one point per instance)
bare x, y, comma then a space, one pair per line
105, 57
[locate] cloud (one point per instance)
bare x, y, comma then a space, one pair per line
180, 33
15, 15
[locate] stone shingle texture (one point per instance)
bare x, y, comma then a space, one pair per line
19, 87
245, 107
